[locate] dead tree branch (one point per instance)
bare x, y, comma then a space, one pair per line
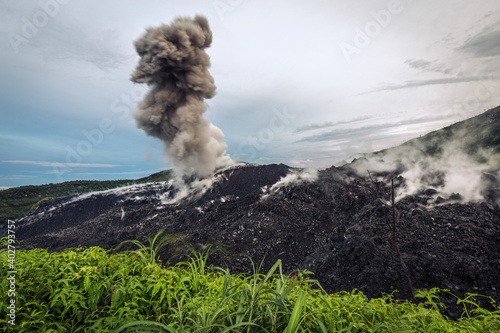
395, 221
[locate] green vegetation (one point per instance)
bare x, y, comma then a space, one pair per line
93, 290
19, 201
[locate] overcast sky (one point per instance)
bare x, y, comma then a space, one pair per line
298, 82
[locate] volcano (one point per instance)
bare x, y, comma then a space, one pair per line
336, 222
334, 225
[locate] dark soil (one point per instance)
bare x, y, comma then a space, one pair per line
336, 227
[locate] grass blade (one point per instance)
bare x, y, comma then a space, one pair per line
293, 324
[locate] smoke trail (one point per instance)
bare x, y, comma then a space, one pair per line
175, 65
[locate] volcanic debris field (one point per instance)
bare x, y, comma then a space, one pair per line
336, 224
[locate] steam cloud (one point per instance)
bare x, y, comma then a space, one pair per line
451, 173
292, 178
173, 62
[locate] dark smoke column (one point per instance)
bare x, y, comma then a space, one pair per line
175, 65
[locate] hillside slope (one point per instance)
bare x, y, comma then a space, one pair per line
18, 201
478, 137
333, 224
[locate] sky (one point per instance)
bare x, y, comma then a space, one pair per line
304, 83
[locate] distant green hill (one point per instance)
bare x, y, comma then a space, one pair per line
19, 201
480, 133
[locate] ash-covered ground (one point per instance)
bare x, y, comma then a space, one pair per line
333, 222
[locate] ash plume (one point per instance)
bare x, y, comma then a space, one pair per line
173, 62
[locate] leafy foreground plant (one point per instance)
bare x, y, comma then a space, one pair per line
92, 290
149, 254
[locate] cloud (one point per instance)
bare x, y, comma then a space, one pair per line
103, 46
103, 49
365, 131
330, 124
55, 164
302, 162
16, 177
346, 134
147, 172
428, 66
419, 64
432, 82
484, 44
